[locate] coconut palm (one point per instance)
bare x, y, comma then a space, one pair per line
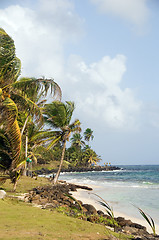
90, 157
88, 134
16, 95
76, 140
58, 115
9, 72
33, 91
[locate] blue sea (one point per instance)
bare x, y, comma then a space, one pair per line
132, 185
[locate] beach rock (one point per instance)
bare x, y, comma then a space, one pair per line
49, 206
2, 194
125, 223
72, 187
45, 171
90, 208
83, 187
136, 225
106, 216
139, 234
119, 219
100, 213
93, 219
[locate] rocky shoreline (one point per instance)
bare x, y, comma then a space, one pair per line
59, 196
45, 171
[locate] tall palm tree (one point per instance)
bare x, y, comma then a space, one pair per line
88, 134
32, 92
9, 72
15, 95
58, 115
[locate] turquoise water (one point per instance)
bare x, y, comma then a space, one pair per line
122, 189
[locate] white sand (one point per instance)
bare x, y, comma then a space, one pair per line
87, 198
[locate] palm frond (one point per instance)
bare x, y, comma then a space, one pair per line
43, 135
75, 200
9, 64
106, 205
35, 88
12, 128
55, 114
149, 220
54, 142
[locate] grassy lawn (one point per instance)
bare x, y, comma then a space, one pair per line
20, 220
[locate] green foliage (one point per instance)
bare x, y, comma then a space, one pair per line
149, 220
76, 140
88, 134
23, 111
19, 96
58, 115
109, 211
74, 199
90, 157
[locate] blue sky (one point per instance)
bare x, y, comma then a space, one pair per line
105, 56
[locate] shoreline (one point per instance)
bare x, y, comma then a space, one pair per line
45, 171
87, 198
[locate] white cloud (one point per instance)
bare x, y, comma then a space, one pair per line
135, 11
40, 37
97, 92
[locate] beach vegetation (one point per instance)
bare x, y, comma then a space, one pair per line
58, 115
25, 116
149, 220
88, 135
90, 157
17, 96
109, 211
23, 221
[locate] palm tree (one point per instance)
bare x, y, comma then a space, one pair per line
58, 115
90, 157
77, 140
32, 92
88, 134
9, 72
16, 95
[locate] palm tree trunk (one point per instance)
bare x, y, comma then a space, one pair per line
26, 152
61, 162
24, 126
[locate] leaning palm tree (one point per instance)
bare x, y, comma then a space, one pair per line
88, 134
9, 72
58, 115
15, 95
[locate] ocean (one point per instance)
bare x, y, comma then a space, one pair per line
132, 185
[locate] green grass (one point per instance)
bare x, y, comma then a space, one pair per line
25, 184
20, 220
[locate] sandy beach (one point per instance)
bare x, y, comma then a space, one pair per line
88, 198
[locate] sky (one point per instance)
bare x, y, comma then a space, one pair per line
104, 54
